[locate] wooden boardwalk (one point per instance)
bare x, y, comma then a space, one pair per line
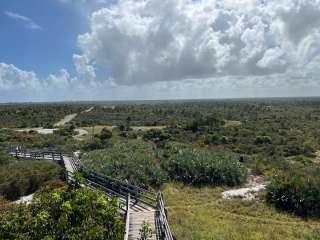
139, 206
137, 219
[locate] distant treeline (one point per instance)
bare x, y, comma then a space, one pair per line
35, 115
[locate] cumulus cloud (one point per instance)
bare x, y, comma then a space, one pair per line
28, 21
137, 49
83, 67
12, 78
145, 41
16, 83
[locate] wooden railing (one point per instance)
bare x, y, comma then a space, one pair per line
47, 154
121, 188
163, 227
126, 235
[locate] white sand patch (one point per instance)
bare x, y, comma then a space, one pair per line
25, 199
88, 110
255, 184
38, 130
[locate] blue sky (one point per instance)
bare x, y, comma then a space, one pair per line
44, 50
158, 49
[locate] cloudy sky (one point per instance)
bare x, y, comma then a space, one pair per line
54, 50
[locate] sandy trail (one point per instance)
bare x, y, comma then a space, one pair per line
81, 133
255, 184
88, 110
65, 120
70, 117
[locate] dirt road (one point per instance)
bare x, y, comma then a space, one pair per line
65, 120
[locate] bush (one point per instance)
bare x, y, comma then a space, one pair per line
156, 135
5, 158
134, 161
92, 144
211, 139
75, 214
263, 140
295, 192
204, 167
26, 176
105, 134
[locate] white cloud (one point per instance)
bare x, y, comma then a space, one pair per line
83, 67
28, 21
145, 41
19, 84
138, 49
12, 78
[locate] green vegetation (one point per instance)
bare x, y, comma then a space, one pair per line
64, 214
145, 232
134, 161
296, 191
200, 213
35, 115
203, 145
204, 167
23, 177
60, 140
142, 164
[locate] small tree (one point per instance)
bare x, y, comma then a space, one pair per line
145, 231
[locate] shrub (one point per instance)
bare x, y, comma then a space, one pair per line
134, 161
263, 140
295, 192
105, 134
5, 158
92, 144
26, 176
61, 214
156, 135
199, 167
211, 139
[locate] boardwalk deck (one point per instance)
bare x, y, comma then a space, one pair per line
137, 219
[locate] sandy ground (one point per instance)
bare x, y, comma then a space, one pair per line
70, 117
81, 132
255, 184
38, 130
229, 123
65, 120
25, 199
88, 110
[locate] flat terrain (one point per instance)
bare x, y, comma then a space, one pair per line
201, 213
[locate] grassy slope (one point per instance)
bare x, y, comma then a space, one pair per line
200, 213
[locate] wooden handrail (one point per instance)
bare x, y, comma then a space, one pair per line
165, 231
126, 236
